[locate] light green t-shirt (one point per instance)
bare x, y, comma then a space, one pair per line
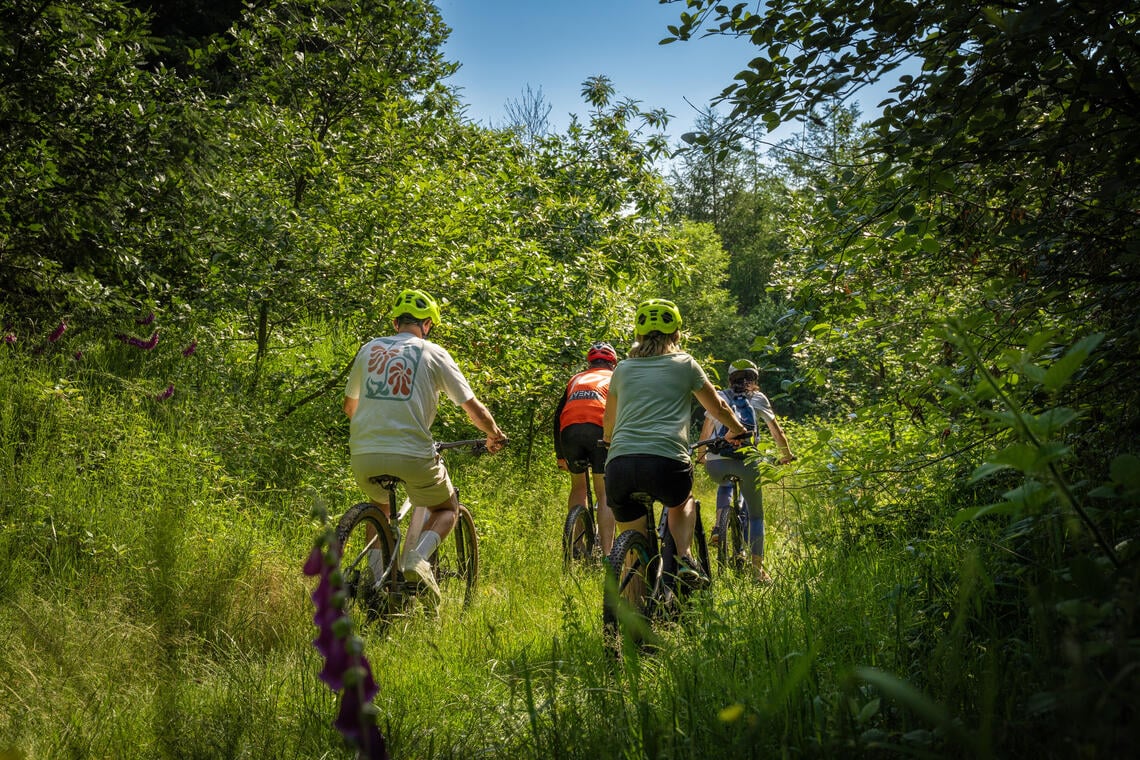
654, 397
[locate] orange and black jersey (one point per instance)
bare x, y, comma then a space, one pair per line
584, 399
583, 402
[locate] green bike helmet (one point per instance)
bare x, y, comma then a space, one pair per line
417, 303
742, 368
656, 314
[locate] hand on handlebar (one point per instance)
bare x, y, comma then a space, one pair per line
737, 439
494, 445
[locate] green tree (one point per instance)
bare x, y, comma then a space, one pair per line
719, 179
1002, 165
334, 104
94, 159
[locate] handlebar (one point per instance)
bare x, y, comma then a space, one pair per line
721, 445
717, 445
477, 445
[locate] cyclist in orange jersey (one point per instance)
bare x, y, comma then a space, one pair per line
578, 429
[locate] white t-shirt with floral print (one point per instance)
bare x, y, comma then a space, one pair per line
396, 381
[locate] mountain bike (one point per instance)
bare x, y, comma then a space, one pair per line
731, 551
642, 584
731, 548
373, 549
735, 539
580, 533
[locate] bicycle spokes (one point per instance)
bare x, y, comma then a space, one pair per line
351, 566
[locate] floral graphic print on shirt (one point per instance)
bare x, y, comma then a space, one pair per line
392, 371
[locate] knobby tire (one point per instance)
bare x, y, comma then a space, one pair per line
578, 536
632, 575
351, 538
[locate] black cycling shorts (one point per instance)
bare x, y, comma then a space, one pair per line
669, 481
580, 444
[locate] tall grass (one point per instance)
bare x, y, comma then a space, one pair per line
152, 605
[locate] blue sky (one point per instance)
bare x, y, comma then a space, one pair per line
555, 45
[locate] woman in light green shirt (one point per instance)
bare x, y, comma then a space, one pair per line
646, 427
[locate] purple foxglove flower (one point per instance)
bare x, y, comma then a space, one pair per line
337, 662
78, 356
166, 393
356, 724
346, 669
189, 350
57, 332
146, 320
10, 338
145, 345
315, 561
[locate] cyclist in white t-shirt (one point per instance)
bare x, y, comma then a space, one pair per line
391, 399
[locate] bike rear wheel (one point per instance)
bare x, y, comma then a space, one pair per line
364, 559
578, 536
632, 574
730, 552
456, 561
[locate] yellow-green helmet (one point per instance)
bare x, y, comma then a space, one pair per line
417, 303
656, 314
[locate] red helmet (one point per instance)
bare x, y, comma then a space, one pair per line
602, 352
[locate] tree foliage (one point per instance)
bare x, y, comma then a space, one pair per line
969, 270
94, 149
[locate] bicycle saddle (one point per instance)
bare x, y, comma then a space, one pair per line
387, 482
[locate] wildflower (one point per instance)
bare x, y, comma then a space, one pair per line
10, 338
166, 393
346, 668
78, 356
145, 345
146, 320
189, 350
356, 718
57, 332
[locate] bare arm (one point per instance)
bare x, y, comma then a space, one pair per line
350, 406
721, 411
610, 415
481, 418
781, 441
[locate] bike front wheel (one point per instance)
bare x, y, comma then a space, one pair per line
578, 536
364, 539
456, 561
632, 571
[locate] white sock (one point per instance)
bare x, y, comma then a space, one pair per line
429, 541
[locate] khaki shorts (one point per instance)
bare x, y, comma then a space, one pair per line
425, 480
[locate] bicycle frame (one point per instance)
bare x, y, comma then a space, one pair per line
394, 543
581, 534
591, 503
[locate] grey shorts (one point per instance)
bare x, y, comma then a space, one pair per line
425, 479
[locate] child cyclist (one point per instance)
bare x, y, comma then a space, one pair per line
578, 433
750, 405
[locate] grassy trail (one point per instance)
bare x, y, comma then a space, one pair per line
152, 606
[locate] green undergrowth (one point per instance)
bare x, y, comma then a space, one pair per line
152, 605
